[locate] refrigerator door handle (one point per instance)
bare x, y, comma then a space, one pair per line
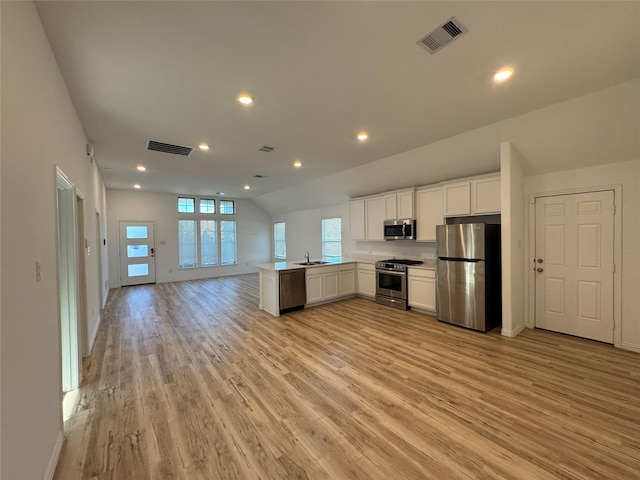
453, 259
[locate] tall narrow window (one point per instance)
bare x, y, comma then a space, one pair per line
187, 244
331, 237
228, 254
279, 244
208, 243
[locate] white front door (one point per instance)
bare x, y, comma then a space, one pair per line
137, 253
574, 264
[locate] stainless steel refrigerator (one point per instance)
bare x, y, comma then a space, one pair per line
469, 288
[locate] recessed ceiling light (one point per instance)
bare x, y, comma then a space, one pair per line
503, 74
362, 136
247, 187
141, 168
245, 99
204, 147
297, 164
137, 185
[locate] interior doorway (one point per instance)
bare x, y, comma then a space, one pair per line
575, 264
82, 250
68, 282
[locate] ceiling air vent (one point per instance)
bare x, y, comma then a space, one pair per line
266, 149
169, 148
442, 35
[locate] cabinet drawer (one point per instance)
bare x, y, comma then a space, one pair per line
420, 272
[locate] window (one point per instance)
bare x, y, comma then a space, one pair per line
207, 206
331, 237
187, 244
279, 243
204, 240
228, 242
186, 205
208, 243
227, 207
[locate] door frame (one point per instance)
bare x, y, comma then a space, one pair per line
67, 283
617, 253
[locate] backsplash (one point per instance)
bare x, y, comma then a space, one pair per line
398, 249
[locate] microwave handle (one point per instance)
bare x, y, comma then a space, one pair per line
404, 226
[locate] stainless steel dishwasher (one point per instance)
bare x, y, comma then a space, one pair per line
293, 289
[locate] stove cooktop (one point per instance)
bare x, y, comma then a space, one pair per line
400, 261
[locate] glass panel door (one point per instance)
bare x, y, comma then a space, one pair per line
137, 253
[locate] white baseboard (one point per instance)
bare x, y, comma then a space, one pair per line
630, 346
94, 334
55, 455
513, 332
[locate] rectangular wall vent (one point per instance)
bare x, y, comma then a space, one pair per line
442, 35
169, 148
266, 149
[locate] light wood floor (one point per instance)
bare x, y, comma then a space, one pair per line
191, 381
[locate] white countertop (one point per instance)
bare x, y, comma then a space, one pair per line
281, 266
429, 263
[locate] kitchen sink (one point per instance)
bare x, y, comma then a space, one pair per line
318, 262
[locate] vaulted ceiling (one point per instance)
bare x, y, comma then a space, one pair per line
319, 73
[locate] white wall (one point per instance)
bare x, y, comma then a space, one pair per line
40, 129
253, 234
626, 174
512, 195
304, 233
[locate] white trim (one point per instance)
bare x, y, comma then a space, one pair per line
617, 255
630, 347
55, 455
513, 332
94, 334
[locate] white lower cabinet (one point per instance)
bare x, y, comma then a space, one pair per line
330, 282
347, 279
314, 287
422, 289
366, 280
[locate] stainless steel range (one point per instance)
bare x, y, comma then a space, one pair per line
391, 282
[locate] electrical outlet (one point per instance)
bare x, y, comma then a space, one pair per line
38, 270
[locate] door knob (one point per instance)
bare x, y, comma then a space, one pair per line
539, 260
539, 269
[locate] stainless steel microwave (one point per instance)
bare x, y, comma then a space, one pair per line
401, 229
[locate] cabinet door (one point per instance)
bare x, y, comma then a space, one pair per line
314, 288
405, 204
356, 220
457, 199
330, 285
374, 209
390, 207
366, 281
428, 214
485, 195
347, 282
422, 293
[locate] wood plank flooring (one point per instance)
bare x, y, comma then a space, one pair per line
191, 381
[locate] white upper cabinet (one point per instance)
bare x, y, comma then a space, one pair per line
476, 196
374, 214
485, 195
428, 213
356, 220
457, 199
398, 204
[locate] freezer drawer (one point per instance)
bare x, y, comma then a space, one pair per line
461, 293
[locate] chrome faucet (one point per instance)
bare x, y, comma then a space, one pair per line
306, 255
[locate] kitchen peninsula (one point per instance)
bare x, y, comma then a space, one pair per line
325, 281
